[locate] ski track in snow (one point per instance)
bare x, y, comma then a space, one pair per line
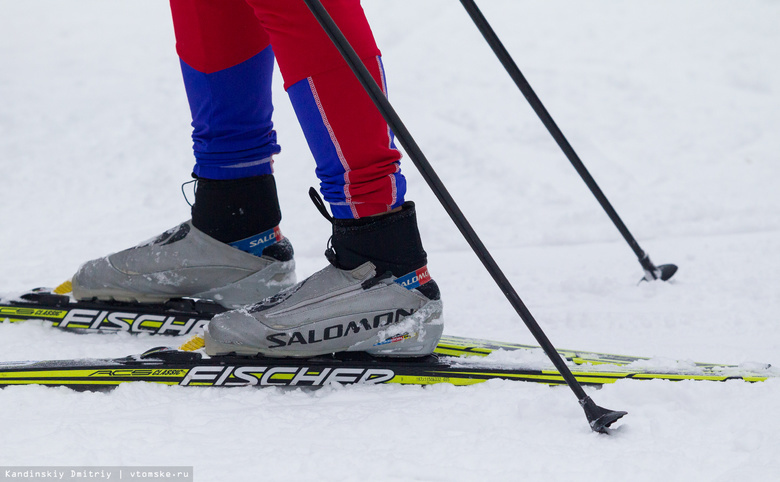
674, 107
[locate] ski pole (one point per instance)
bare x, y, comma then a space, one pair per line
599, 418
652, 272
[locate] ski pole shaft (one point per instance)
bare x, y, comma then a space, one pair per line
511, 67
598, 417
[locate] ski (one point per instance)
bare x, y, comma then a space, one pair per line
459, 346
189, 316
190, 366
180, 316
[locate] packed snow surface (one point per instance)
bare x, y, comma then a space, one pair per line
674, 106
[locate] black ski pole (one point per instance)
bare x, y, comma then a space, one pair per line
599, 418
652, 272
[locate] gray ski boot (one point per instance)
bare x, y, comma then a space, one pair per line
231, 252
185, 262
375, 297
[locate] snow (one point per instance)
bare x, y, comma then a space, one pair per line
674, 107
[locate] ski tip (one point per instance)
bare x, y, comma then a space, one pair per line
64, 288
193, 344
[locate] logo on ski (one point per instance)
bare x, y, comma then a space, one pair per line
231, 376
11, 311
141, 373
80, 318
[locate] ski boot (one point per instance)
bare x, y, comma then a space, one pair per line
376, 296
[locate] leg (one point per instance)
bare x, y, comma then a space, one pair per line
227, 64
377, 295
232, 251
357, 162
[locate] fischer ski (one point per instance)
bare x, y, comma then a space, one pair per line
189, 366
189, 316
181, 316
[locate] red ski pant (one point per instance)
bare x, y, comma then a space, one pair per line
227, 49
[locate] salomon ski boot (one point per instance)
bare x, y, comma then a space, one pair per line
376, 296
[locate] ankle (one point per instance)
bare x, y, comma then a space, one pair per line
390, 241
236, 209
